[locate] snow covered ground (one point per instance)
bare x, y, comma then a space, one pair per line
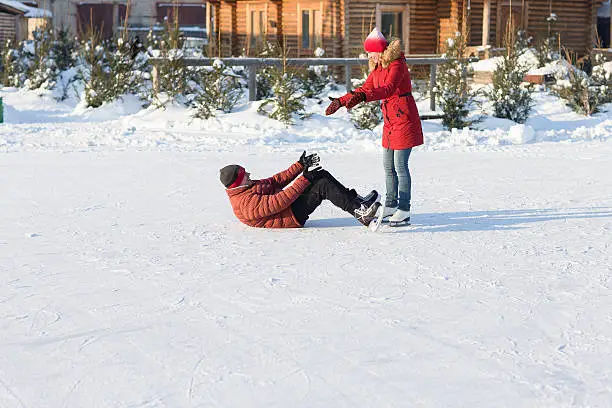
127, 282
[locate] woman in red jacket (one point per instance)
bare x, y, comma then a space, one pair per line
389, 81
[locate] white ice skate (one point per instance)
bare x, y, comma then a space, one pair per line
399, 218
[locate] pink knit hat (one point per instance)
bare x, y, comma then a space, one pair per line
375, 42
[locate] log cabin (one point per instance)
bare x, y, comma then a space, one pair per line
240, 27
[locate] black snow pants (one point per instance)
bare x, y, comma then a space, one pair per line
324, 188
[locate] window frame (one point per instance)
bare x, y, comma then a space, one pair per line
394, 8
315, 23
253, 39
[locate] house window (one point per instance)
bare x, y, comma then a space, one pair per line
257, 27
311, 29
192, 18
391, 24
603, 25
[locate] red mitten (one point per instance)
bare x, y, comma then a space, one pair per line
333, 106
355, 100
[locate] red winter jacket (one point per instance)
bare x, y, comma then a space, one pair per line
265, 204
390, 81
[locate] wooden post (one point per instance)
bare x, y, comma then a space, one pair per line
253, 83
115, 18
207, 28
432, 85
486, 22
498, 25
347, 77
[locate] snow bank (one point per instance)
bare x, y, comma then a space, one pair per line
123, 124
528, 59
521, 134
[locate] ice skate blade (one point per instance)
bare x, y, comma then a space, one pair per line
399, 223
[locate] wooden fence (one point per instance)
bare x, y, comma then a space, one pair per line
253, 64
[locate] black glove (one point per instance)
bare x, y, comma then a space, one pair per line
333, 106
310, 160
355, 100
314, 174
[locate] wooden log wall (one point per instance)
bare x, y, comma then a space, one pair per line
449, 18
8, 23
475, 22
430, 23
225, 17
421, 25
361, 20
329, 22
573, 21
576, 20
269, 10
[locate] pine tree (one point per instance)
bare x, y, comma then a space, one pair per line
288, 97
44, 70
10, 74
602, 79
546, 45
511, 100
452, 88
64, 49
582, 92
265, 74
121, 62
316, 78
220, 90
173, 81
95, 70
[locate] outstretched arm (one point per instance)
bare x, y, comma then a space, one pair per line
367, 85
282, 179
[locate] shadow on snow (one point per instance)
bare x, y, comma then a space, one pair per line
494, 220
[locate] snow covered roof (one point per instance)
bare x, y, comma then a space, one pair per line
28, 11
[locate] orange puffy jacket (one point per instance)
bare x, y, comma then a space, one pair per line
265, 204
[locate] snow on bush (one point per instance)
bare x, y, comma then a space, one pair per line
288, 100
220, 91
510, 96
317, 78
582, 91
452, 89
547, 44
10, 73
174, 80
65, 49
43, 70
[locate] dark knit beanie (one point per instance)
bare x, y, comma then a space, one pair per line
229, 174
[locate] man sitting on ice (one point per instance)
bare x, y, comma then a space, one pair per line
273, 203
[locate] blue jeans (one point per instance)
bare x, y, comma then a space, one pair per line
397, 177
